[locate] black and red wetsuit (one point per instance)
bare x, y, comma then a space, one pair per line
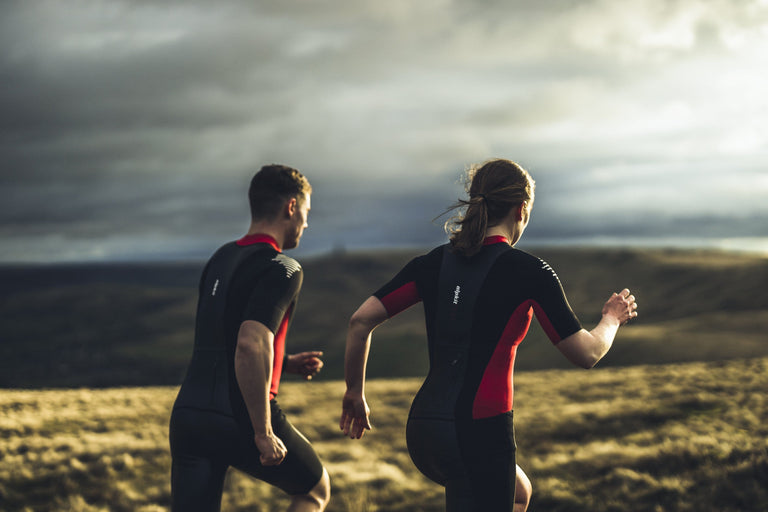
210, 428
477, 311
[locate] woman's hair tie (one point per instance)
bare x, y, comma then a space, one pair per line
482, 196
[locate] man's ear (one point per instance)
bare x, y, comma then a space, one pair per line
290, 207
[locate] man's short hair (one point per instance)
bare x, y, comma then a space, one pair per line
272, 186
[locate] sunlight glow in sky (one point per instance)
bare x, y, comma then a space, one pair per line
127, 121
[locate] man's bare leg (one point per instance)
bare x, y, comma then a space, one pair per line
316, 499
523, 490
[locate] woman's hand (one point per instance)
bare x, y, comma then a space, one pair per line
621, 306
354, 415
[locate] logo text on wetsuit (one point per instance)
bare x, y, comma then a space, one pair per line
456, 294
215, 286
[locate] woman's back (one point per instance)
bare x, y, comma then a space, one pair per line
477, 311
479, 296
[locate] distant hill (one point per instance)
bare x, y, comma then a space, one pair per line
132, 324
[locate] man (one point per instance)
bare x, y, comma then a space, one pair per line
226, 413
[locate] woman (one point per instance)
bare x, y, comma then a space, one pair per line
479, 296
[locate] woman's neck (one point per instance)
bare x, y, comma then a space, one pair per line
498, 231
511, 234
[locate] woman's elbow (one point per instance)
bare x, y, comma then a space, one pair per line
368, 316
589, 358
582, 349
359, 321
582, 360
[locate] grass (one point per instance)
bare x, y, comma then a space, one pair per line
676, 437
671, 434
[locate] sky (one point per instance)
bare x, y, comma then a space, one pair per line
130, 129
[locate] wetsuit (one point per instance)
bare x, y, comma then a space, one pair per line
460, 431
210, 428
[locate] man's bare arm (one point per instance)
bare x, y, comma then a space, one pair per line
253, 369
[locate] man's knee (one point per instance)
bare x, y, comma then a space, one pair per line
323, 488
319, 495
523, 489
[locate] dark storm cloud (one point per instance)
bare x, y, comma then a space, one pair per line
141, 118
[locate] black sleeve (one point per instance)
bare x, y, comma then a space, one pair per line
400, 292
550, 304
416, 282
274, 292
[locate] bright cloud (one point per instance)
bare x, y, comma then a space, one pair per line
107, 96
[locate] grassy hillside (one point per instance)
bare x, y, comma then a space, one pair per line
686, 437
107, 325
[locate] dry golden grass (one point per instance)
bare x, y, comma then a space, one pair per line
658, 438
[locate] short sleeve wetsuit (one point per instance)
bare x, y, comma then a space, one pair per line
210, 428
477, 311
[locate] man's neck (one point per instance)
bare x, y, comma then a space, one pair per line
266, 228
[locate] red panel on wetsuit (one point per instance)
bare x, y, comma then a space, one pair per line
545, 323
279, 354
401, 299
495, 393
258, 238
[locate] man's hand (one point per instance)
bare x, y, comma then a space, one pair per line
271, 448
306, 364
354, 415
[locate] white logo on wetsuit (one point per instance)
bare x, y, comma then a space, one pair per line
456, 294
215, 286
545, 266
289, 264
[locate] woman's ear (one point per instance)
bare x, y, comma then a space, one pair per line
520, 212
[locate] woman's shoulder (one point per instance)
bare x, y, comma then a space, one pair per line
433, 256
426, 265
526, 261
521, 257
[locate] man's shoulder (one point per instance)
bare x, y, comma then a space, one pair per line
286, 264
264, 259
256, 258
222, 251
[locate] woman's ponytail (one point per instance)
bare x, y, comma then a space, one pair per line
494, 188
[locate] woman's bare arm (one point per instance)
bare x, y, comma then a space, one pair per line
585, 348
354, 416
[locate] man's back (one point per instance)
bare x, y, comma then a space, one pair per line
244, 280
226, 414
